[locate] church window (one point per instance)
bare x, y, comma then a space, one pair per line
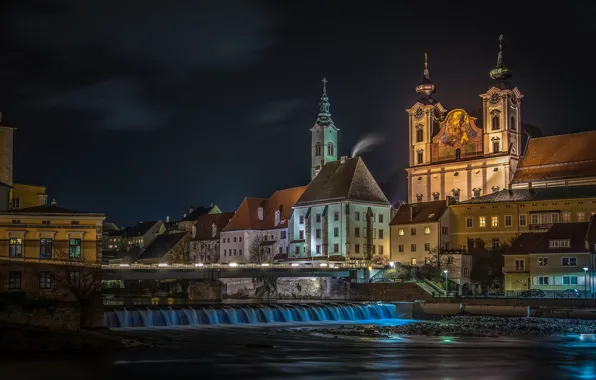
476, 192
456, 194
457, 154
495, 125
436, 196
496, 147
420, 157
330, 149
419, 197
419, 135
512, 124
318, 149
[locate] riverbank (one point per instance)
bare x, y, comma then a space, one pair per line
469, 326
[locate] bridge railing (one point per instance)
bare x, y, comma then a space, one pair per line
200, 266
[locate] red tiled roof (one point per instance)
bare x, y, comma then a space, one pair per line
558, 157
247, 215
423, 212
204, 225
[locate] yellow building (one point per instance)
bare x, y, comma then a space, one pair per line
36, 242
23, 196
501, 217
553, 261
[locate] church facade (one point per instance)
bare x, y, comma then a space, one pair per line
455, 154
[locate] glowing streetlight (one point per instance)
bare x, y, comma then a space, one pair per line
391, 264
446, 282
585, 282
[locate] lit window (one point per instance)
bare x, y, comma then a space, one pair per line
413, 261
427, 230
494, 221
566, 216
15, 247
569, 280
74, 248
400, 232
559, 243
16, 202
482, 221
554, 218
581, 216
45, 248
542, 261
568, 261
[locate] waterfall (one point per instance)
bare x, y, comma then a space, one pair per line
247, 314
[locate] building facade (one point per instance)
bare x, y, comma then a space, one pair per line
453, 153
38, 243
261, 221
24, 196
205, 237
141, 235
324, 136
343, 215
553, 261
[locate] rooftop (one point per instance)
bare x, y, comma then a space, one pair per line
48, 210
536, 194
539, 243
350, 180
419, 212
162, 245
204, 225
139, 229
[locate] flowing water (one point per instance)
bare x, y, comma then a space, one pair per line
247, 314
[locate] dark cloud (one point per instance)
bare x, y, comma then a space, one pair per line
274, 117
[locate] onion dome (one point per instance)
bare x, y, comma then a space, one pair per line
426, 86
500, 72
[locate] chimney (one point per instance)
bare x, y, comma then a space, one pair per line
168, 219
53, 202
412, 212
447, 200
190, 210
183, 215
211, 204
343, 159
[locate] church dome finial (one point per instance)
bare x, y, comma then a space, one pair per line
501, 71
425, 86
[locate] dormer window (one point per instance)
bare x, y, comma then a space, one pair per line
496, 189
419, 197
456, 194
559, 243
277, 217
436, 196
476, 192
260, 213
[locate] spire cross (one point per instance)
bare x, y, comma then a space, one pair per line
501, 42
425, 60
324, 86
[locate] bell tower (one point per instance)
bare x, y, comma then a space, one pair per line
501, 106
324, 135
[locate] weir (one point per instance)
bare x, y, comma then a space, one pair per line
248, 314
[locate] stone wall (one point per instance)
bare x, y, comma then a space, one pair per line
285, 288
386, 292
205, 291
62, 317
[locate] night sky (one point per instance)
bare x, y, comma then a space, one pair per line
140, 109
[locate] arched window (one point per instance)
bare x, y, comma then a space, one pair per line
420, 157
457, 153
419, 135
496, 147
330, 149
317, 149
512, 124
496, 123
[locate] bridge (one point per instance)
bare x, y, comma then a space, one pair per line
233, 270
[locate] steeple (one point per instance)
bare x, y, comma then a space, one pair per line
324, 105
500, 72
426, 86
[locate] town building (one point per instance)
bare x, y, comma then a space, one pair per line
205, 235
561, 258
260, 221
499, 218
189, 220
342, 215
459, 154
25, 195
112, 237
38, 244
142, 234
420, 236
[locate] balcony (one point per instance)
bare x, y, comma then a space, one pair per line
515, 269
542, 226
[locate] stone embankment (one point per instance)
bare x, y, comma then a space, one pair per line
469, 326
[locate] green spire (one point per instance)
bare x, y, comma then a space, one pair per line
324, 103
501, 71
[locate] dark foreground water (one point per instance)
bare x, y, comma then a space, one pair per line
292, 352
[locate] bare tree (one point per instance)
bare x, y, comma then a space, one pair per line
258, 253
83, 280
180, 253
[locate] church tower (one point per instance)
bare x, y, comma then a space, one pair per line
324, 136
501, 114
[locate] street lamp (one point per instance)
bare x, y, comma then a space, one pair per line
446, 282
586, 282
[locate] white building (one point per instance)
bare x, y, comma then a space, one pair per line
265, 219
343, 215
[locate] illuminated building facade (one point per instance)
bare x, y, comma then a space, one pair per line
453, 153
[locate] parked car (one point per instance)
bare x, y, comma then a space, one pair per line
569, 293
533, 293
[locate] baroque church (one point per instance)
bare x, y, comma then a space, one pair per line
455, 154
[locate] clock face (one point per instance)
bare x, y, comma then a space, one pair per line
419, 113
494, 98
